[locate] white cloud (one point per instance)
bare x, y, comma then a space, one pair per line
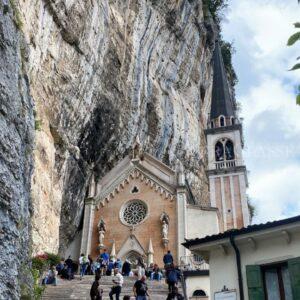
271, 197
260, 29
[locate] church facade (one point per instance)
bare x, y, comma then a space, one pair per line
142, 207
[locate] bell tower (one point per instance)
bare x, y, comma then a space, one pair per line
226, 170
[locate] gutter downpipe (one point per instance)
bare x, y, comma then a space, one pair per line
238, 265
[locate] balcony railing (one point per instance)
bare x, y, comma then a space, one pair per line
192, 263
225, 164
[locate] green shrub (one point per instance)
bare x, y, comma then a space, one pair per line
53, 259
37, 288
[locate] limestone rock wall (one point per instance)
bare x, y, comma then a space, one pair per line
16, 143
102, 72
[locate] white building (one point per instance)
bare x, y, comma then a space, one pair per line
254, 263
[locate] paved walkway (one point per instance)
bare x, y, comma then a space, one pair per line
80, 289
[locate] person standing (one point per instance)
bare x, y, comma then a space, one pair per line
83, 262
173, 276
96, 292
141, 267
140, 289
117, 287
168, 259
69, 263
126, 268
175, 295
104, 258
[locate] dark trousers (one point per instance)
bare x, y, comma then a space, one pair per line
171, 286
115, 290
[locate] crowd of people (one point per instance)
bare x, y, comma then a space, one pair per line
104, 265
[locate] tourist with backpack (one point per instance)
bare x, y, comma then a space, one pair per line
83, 262
173, 276
140, 289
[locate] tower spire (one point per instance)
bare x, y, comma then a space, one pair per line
221, 103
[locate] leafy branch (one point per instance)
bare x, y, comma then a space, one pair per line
291, 41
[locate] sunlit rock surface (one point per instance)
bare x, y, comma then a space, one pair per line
101, 73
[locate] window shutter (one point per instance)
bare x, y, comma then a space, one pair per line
255, 283
294, 270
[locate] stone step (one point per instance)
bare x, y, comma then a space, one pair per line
80, 289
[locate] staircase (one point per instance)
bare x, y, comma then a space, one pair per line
80, 289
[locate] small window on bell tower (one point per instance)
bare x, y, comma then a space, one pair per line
229, 150
222, 121
219, 151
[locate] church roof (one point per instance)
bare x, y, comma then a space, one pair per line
221, 103
148, 169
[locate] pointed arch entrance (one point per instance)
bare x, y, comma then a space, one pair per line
133, 257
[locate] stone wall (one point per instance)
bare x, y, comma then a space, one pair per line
16, 143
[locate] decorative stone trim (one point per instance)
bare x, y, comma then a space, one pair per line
116, 188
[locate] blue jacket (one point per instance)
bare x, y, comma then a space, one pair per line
168, 258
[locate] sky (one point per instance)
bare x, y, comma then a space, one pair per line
266, 91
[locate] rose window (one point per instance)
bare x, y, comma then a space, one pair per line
134, 212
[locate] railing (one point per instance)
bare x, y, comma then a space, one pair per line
192, 262
225, 164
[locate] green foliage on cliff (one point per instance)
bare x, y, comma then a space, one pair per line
215, 7
228, 50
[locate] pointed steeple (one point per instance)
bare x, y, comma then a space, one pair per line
221, 103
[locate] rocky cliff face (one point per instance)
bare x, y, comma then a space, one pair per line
16, 144
100, 74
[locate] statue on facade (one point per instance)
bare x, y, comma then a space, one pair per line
136, 149
165, 220
165, 229
101, 231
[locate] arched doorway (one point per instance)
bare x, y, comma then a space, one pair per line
133, 257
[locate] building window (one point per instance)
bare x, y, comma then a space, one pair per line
224, 150
219, 151
280, 281
212, 124
232, 120
133, 212
135, 190
199, 293
277, 282
222, 121
229, 150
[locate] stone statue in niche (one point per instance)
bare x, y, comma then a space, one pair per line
101, 231
136, 149
165, 221
165, 229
